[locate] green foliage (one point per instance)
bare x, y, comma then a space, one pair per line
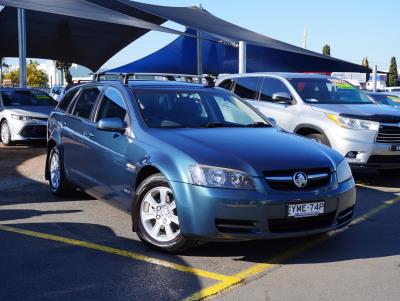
35, 76
326, 50
393, 74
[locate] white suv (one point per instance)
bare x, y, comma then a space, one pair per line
328, 110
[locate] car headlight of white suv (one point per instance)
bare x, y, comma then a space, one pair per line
343, 171
20, 117
352, 123
218, 177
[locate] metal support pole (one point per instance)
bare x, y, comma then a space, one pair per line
374, 75
242, 57
199, 52
22, 47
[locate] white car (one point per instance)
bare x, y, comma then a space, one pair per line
328, 110
24, 114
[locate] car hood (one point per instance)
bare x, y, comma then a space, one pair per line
375, 112
39, 112
251, 150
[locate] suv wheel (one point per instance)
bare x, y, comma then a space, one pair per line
390, 172
59, 185
320, 138
155, 216
5, 133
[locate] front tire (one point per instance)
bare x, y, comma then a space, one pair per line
320, 138
59, 185
155, 216
5, 134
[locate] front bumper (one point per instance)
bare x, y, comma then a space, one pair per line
222, 214
370, 153
28, 130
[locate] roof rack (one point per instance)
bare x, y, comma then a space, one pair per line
124, 77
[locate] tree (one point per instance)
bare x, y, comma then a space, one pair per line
326, 50
365, 63
35, 76
392, 75
3, 64
64, 68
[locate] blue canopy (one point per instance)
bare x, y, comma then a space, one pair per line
219, 57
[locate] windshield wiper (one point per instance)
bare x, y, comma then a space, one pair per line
259, 125
220, 125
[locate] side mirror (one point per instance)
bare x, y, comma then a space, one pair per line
272, 120
282, 97
112, 125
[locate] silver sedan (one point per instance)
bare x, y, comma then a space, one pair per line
24, 114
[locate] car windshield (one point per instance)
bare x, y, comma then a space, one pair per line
195, 109
391, 100
328, 91
33, 98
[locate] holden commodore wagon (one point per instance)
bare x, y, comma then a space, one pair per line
192, 162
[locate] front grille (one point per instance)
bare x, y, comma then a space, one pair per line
282, 225
235, 226
34, 131
283, 179
388, 134
384, 159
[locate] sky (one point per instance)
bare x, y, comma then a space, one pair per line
353, 28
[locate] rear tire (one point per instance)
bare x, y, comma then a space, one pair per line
59, 185
320, 138
5, 133
390, 172
155, 216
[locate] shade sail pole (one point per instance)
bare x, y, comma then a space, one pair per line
22, 47
199, 51
242, 57
374, 75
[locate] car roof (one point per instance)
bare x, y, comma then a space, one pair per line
155, 84
19, 89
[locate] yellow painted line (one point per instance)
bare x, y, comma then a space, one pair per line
124, 253
275, 262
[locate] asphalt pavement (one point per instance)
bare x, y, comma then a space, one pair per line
83, 249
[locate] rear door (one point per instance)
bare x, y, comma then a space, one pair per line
107, 159
74, 140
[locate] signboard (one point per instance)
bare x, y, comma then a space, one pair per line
360, 77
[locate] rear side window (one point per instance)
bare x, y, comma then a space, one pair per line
271, 86
247, 87
226, 84
86, 101
112, 105
67, 99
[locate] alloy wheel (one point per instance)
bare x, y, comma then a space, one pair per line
5, 133
55, 173
159, 216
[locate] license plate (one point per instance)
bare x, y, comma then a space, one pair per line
306, 209
395, 148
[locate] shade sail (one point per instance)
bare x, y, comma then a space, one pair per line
73, 30
218, 58
89, 32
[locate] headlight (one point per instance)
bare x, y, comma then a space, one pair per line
210, 176
354, 124
343, 171
19, 117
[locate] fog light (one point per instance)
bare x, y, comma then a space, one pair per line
352, 155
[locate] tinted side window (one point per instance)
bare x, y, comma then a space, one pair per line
247, 87
112, 105
226, 84
271, 86
86, 101
67, 99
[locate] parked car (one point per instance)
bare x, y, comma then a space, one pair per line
193, 162
387, 98
392, 89
24, 114
327, 110
57, 92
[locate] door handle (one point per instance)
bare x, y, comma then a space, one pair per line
89, 135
